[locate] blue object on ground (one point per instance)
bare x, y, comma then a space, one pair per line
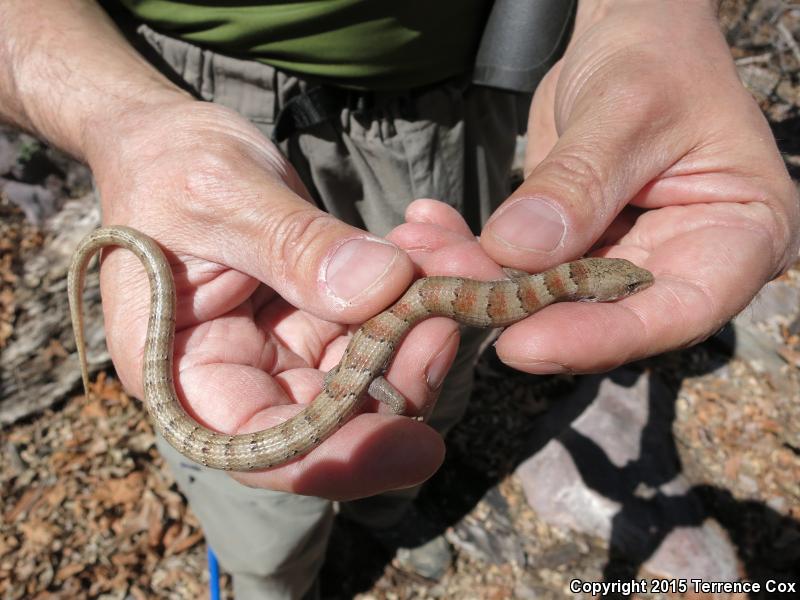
213, 573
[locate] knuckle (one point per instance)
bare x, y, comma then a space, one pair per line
579, 178
298, 236
208, 186
221, 188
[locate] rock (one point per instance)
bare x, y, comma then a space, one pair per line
36, 201
491, 539
555, 490
703, 552
8, 154
755, 333
759, 350
778, 300
613, 472
788, 93
760, 81
430, 560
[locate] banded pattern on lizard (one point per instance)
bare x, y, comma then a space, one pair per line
476, 303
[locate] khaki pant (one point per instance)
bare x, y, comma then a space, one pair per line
453, 142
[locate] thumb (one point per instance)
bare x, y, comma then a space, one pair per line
613, 140
318, 263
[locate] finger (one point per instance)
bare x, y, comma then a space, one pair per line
603, 157
370, 454
210, 342
439, 251
420, 364
206, 290
435, 212
127, 303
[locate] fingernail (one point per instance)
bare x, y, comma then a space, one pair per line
440, 365
539, 367
357, 265
530, 224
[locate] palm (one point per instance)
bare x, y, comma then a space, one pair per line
245, 360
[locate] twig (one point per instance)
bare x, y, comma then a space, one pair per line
789, 39
750, 60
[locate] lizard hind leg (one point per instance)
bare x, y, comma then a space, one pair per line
385, 393
380, 389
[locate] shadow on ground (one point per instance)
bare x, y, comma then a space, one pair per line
767, 543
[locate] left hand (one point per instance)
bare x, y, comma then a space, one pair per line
643, 144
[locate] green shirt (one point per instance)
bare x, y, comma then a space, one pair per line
367, 44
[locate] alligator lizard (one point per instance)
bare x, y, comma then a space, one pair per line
476, 303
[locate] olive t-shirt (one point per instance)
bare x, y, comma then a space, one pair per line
368, 44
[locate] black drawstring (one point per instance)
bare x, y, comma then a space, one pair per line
317, 105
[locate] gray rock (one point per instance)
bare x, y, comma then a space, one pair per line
777, 299
615, 419
491, 539
759, 80
703, 552
754, 335
613, 472
35, 201
758, 349
430, 560
8, 154
555, 490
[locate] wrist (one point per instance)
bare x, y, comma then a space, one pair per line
128, 130
591, 12
65, 69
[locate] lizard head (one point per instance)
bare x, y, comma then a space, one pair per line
610, 279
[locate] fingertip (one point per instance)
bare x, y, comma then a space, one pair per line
408, 453
362, 275
436, 212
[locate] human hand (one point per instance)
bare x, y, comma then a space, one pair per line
264, 282
245, 245
644, 145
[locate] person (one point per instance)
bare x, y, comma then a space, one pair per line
642, 144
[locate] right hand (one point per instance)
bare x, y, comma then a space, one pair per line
266, 284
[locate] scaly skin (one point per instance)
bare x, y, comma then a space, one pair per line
476, 303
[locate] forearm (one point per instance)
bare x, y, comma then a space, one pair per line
66, 73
